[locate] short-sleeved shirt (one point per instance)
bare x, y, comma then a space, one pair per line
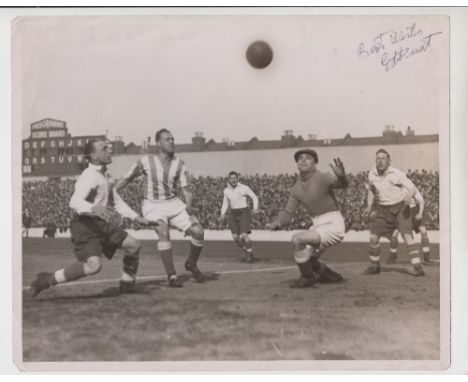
161, 177
391, 187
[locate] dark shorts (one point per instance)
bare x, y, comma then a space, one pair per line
239, 220
385, 219
416, 223
93, 236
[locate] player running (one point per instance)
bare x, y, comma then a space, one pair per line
417, 210
392, 191
163, 172
314, 190
91, 232
235, 198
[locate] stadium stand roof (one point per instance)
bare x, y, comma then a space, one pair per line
200, 145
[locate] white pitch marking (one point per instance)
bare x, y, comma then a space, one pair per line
275, 347
163, 277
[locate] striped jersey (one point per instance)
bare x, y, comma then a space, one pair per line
161, 179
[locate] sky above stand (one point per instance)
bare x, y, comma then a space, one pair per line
330, 75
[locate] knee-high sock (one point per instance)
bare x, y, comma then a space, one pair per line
130, 267
394, 245
374, 254
425, 244
71, 272
413, 254
194, 252
165, 251
240, 242
317, 265
248, 247
302, 258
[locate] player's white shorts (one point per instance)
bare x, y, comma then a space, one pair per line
330, 227
171, 211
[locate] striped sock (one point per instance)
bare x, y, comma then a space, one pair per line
374, 254
413, 254
130, 267
165, 251
394, 245
425, 244
195, 249
71, 272
248, 248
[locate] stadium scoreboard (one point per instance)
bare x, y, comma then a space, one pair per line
52, 151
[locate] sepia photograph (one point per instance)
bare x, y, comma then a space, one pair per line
208, 191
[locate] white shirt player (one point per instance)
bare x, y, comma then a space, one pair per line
416, 200
93, 188
236, 197
391, 187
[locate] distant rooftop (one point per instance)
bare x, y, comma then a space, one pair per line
288, 140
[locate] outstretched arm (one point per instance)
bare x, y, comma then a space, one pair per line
135, 171
370, 202
254, 198
285, 215
224, 207
420, 201
410, 187
339, 171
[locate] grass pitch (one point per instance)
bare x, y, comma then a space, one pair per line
244, 312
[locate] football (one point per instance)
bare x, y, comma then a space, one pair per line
259, 54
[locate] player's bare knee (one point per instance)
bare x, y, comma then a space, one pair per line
135, 247
296, 241
131, 245
374, 239
163, 231
197, 231
245, 237
93, 265
237, 239
408, 238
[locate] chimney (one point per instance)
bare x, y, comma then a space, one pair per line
288, 140
198, 141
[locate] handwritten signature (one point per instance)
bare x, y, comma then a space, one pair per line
395, 46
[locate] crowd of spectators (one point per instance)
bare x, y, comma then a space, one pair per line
48, 200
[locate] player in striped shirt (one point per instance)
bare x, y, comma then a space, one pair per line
163, 173
417, 210
235, 198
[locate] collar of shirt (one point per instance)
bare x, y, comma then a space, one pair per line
98, 167
389, 170
303, 176
231, 187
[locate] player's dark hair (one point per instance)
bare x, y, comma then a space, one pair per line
382, 151
233, 173
157, 137
89, 148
